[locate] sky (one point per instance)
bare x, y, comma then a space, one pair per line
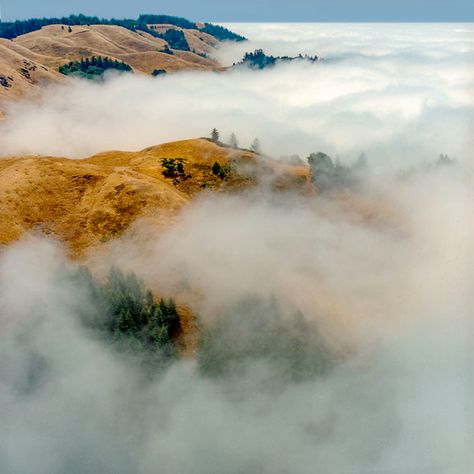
254, 10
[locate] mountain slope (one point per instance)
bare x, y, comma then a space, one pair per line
32, 60
85, 202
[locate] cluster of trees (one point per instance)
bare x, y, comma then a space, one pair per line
233, 142
259, 60
122, 311
175, 38
329, 175
96, 66
11, 30
173, 167
259, 330
149, 19
221, 33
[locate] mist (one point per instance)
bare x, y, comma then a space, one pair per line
392, 295
381, 277
394, 92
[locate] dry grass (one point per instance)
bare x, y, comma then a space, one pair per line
33, 59
86, 202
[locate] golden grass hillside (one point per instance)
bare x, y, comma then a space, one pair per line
32, 60
90, 201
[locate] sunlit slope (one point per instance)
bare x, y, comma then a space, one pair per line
33, 59
86, 202
23, 71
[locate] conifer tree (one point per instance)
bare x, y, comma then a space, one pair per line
233, 141
215, 135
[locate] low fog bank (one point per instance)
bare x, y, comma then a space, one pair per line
400, 93
385, 278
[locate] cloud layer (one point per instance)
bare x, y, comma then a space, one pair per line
385, 274
401, 93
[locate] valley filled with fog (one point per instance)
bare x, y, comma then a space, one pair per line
336, 328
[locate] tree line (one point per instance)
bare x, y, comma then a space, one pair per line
11, 30
232, 142
259, 60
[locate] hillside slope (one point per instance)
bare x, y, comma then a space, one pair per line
86, 202
32, 60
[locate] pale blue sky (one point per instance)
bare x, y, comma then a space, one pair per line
252, 10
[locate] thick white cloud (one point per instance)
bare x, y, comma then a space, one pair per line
398, 291
401, 93
385, 273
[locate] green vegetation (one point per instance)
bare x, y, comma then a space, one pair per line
259, 60
175, 38
215, 135
122, 311
222, 172
221, 33
329, 175
149, 19
173, 167
94, 67
256, 330
158, 72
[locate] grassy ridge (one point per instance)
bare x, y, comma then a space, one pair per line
11, 30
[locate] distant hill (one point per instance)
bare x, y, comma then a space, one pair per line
259, 60
32, 51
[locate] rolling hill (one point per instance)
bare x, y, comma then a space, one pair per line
86, 202
31, 60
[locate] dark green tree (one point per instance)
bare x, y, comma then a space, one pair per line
215, 135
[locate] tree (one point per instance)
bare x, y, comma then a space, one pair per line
444, 160
233, 141
322, 171
215, 135
256, 147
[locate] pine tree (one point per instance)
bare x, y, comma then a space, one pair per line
233, 141
215, 135
255, 146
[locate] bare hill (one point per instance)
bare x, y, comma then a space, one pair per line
32, 60
86, 202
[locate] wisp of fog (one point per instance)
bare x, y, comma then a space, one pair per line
395, 92
374, 287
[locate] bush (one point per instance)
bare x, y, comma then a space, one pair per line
173, 167
221, 171
158, 72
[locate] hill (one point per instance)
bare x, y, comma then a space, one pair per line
31, 52
86, 202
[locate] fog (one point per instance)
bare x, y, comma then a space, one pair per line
393, 91
384, 273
